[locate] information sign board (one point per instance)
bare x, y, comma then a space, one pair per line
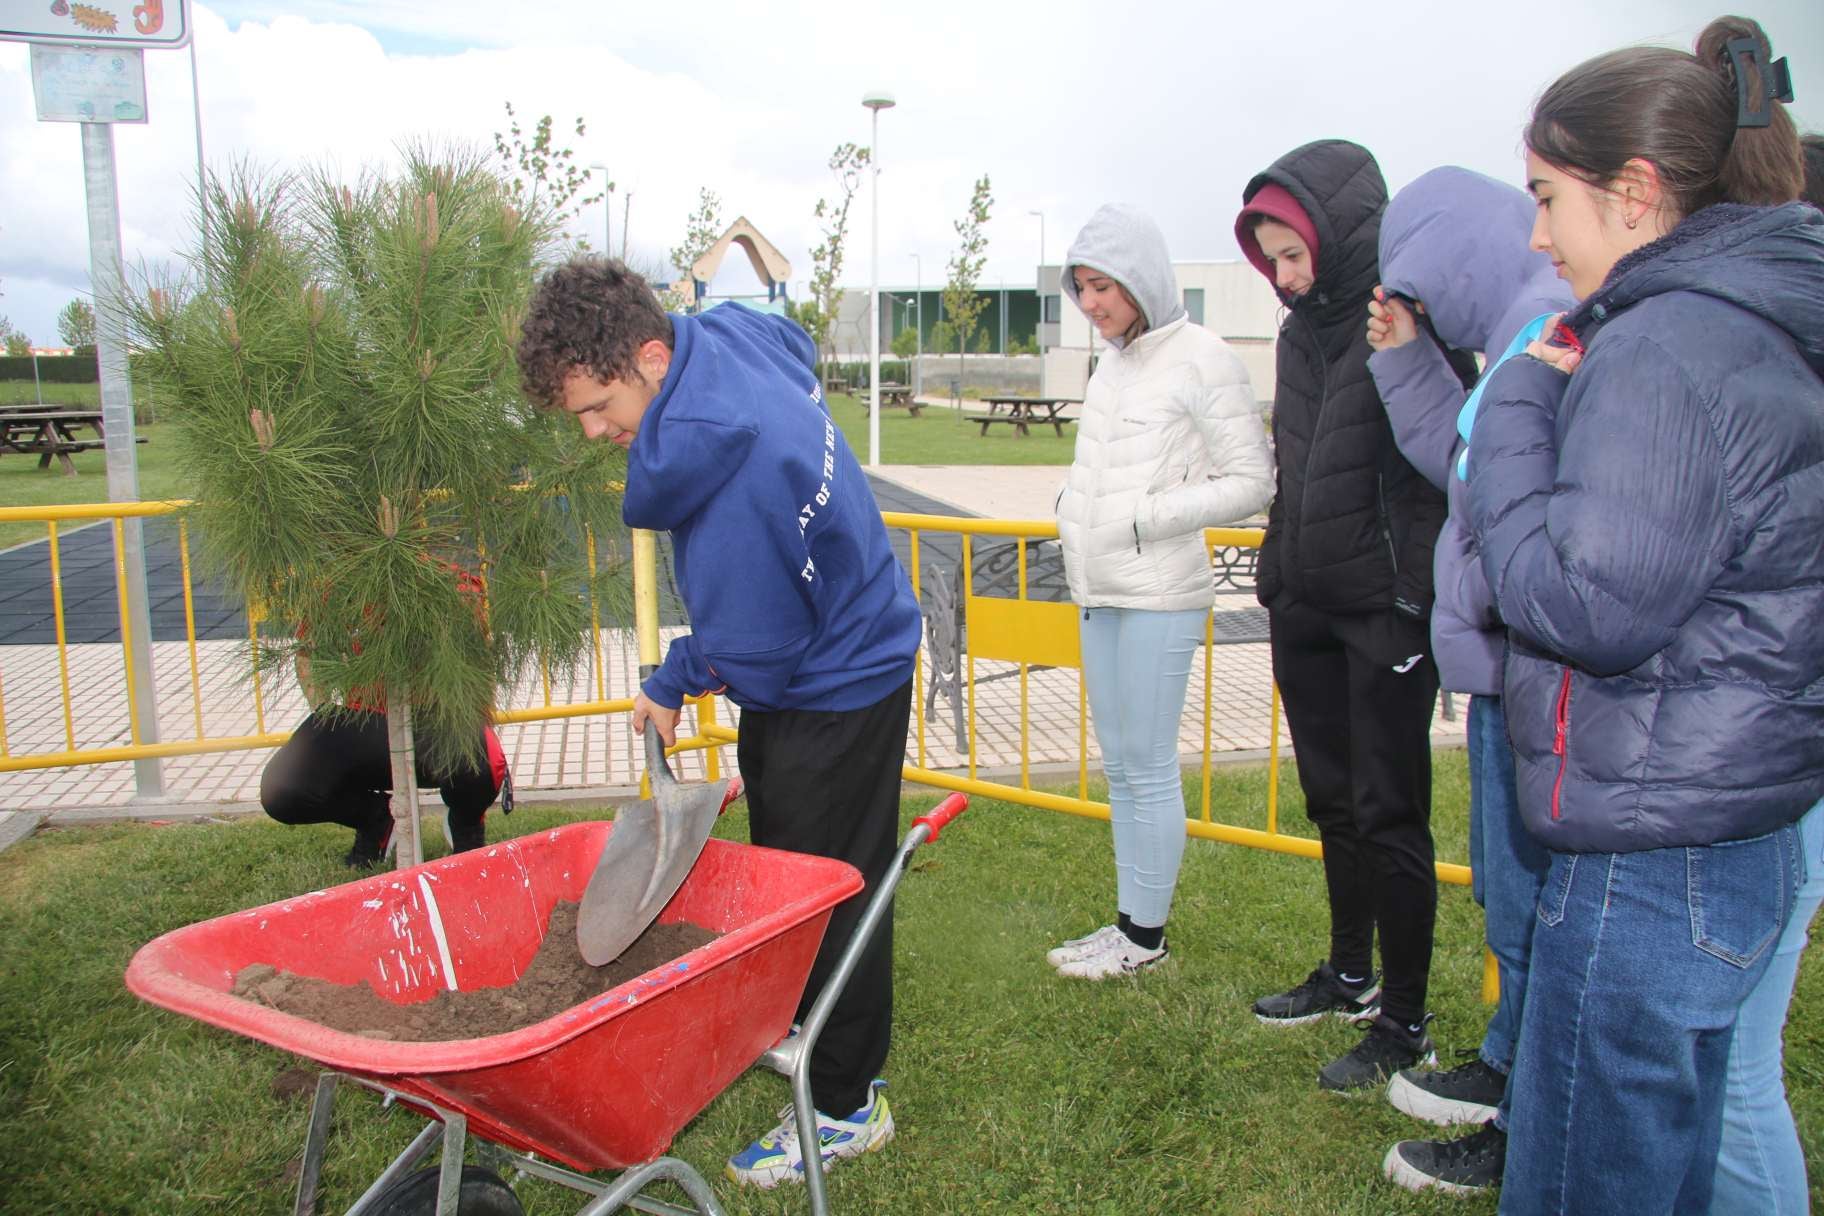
111, 23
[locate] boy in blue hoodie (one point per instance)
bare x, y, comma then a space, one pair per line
800, 613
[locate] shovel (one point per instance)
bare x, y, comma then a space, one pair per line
654, 844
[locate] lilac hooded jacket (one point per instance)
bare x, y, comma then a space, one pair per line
1457, 242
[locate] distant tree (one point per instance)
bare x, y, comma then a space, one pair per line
961, 303
847, 163
905, 342
943, 335
701, 231
76, 324
14, 342
540, 175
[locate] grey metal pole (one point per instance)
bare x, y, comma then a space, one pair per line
37, 384
874, 300
202, 179
918, 352
626, 210
108, 279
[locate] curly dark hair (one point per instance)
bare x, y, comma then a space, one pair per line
590, 314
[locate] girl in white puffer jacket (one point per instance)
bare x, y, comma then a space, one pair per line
1170, 442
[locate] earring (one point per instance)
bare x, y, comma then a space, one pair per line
1632, 223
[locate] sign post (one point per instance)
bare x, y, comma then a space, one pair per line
88, 67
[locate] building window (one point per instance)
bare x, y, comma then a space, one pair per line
1051, 309
1193, 304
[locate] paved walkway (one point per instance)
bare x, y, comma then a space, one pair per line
580, 757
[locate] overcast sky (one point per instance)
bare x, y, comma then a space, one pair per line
1065, 105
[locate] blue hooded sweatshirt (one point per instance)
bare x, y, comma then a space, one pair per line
796, 600
1456, 241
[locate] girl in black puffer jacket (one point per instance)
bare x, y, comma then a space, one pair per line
1345, 573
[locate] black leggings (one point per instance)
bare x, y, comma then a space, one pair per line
827, 783
1360, 714
339, 771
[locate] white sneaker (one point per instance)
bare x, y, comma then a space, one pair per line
777, 1156
1081, 947
1117, 955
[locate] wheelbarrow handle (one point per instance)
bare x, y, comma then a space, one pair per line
941, 816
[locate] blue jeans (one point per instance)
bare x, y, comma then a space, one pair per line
1760, 1169
1506, 867
1641, 962
1136, 665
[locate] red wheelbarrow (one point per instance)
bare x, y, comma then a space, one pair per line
604, 1085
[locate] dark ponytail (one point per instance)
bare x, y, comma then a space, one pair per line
1813, 146
1678, 113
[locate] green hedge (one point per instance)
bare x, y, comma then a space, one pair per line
892, 371
52, 369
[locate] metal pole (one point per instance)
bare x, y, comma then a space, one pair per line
108, 280
626, 210
874, 305
37, 384
1039, 332
918, 356
202, 180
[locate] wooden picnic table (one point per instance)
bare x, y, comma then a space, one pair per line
895, 396
1024, 412
51, 433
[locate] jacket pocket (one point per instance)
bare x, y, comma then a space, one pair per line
1561, 738
1740, 893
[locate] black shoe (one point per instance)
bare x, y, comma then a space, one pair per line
1464, 1166
370, 844
1468, 1093
1322, 992
1386, 1048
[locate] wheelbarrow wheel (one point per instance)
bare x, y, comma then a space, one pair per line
483, 1193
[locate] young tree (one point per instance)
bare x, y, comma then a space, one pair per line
76, 324
961, 303
14, 342
847, 163
339, 371
541, 176
701, 230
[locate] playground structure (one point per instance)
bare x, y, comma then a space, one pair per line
771, 267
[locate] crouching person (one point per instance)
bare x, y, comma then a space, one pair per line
799, 613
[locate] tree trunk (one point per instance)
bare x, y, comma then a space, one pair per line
409, 849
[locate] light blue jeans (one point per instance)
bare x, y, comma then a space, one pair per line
1136, 665
1760, 1169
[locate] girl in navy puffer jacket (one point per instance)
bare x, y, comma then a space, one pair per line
1649, 525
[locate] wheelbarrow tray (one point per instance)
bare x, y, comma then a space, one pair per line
603, 1085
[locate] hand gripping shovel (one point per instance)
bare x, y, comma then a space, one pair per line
654, 844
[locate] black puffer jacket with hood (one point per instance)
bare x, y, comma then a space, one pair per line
1352, 525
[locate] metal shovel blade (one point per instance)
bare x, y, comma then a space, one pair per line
651, 850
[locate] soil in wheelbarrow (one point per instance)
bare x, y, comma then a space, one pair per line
556, 980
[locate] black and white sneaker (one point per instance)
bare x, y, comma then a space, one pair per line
1386, 1048
1323, 992
372, 842
1469, 1093
1467, 1165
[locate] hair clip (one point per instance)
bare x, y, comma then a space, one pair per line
1776, 81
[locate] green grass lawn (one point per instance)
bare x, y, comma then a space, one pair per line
942, 436
1014, 1091
25, 392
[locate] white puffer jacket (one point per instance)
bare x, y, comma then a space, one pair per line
1170, 442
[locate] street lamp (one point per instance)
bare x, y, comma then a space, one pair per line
876, 100
607, 212
1042, 292
918, 345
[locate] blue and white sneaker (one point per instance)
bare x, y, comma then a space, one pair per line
776, 1156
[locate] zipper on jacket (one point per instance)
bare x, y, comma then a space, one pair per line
1561, 729
1386, 520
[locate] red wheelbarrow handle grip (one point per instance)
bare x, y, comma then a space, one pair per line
940, 816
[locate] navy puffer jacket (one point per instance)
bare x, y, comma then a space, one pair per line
1652, 527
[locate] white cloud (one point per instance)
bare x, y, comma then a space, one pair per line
1171, 106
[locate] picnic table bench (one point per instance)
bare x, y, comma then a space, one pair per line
1024, 412
51, 433
896, 396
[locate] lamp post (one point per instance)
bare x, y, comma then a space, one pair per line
1042, 292
607, 212
876, 100
918, 331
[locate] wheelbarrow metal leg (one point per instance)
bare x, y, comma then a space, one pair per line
803, 1109
310, 1170
449, 1175
403, 1164
626, 1188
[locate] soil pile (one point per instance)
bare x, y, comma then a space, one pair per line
556, 980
